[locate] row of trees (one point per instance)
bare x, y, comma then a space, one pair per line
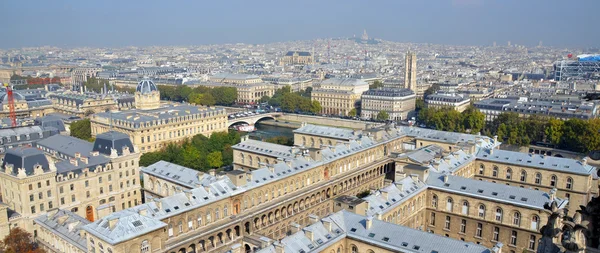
82, 129
293, 101
200, 95
447, 119
97, 85
574, 134
199, 153
283, 140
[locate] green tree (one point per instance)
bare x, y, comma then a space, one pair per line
81, 129
190, 157
502, 131
224, 95
431, 90
352, 112
419, 104
554, 131
315, 107
376, 85
289, 102
264, 99
473, 119
382, 115
215, 159
150, 158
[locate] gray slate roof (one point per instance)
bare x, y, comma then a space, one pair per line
178, 174
65, 145
325, 131
65, 225
26, 158
381, 234
537, 161
265, 148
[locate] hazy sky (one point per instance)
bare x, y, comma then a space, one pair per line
110, 23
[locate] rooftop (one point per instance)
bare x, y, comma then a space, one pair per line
538, 161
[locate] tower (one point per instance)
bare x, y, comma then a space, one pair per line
410, 74
147, 95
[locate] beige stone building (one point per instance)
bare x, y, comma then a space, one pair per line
91, 180
339, 96
235, 78
297, 58
398, 103
410, 172
454, 101
152, 126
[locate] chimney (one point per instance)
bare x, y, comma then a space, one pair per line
212, 172
112, 223
73, 161
384, 195
313, 218
199, 175
495, 139
77, 154
552, 195
279, 247
369, 222
288, 162
445, 178
94, 153
143, 212
327, 225
294, 227
315, 154
584, 161
84, 159
414, 177
158, 204
207, 188
188, 194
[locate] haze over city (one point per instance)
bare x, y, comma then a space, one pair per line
176, 23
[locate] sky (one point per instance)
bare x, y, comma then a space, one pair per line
111, 23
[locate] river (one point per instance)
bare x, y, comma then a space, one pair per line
267, 131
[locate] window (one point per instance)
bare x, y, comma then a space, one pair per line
434, 201
432, 219
39, 185
354, 249
72, 198
50, 204
538, 178
499, 214
523, 176
170, 230
49, 193
40, 195
87, 183
479, 230
463, 226
481, 211
225, 211
513, 238
61, 190
481, 169
449, 205
30, 187
495, 172
496, 234
72, 187
145, 247
509, 174
553, 180
516, 219
199, 220
31, 197
465, 208
532, 242
33, 209
100, 180
534, 222
180, 226
569, 183
190, 223
447, 225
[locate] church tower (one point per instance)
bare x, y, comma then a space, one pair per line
147, 95
410, 75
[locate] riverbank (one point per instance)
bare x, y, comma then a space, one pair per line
278, 123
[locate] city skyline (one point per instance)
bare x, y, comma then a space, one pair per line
454, 22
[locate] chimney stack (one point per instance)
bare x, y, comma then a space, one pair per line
369, 222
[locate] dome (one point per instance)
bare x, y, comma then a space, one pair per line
146, 87
17, 96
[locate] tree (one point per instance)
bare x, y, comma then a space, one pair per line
215, 159
554, 131
352, 113
224, 95
88, 112
473, 119
419, 104
190, 157
431, 90
264, 99
376, 85
150, 158
315, 107
81, 129
382, 116
20, 241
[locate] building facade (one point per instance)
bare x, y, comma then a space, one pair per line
398, 103
297, 58
339, 96
454, 101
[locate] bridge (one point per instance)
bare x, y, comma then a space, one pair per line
252, 119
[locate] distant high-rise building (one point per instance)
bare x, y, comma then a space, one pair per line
494, 44
410, 75
509, 43
540, 44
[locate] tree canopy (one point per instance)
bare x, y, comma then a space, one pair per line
383, 115
81, 129
294, 101
19, 241
199, 153
200, 95
376, 85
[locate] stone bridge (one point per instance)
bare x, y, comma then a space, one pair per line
252, 119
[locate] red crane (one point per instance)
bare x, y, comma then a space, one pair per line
11, 105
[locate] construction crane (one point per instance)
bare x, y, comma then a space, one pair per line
11, 105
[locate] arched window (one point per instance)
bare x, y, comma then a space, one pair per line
434, 201
465, 207
481, 211
509, 174
481, 169
538, 178
242, 158
495, 172
569, 183
535, 220
217, 217
449, 205
145, 246
553, 180
523, 176
517, 219
499, 214
225, 211
532, 242
354, 249
180, 226
190, 223
170, 230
